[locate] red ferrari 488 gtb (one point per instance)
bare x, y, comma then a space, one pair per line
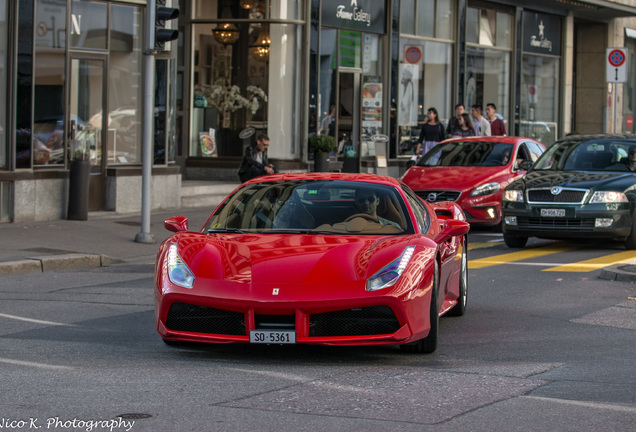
318, 258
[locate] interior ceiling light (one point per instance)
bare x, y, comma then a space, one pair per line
260, 49
226, 33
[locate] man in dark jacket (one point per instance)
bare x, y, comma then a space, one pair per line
255, 163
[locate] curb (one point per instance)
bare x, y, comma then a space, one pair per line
619, 272
51, 263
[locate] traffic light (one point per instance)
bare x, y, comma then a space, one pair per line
163, 15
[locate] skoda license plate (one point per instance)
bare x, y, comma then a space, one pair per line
273, 336
553, 212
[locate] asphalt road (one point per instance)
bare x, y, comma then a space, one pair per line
536, 351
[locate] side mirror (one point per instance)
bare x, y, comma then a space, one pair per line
176, 223
525, 165
453, 228
410, 163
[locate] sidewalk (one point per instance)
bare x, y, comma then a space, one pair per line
102, 240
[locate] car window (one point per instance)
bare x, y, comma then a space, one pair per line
312, 206
535, 150
468, 153
607, 154
419, 210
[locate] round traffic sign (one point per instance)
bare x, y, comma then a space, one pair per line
413, 54
630, 121
616, 57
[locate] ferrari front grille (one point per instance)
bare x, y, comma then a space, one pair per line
435, 196
563, 195
556, 224
201, 319
372, 320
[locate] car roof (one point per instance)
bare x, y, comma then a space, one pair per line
501, 139
362, 177
589, 137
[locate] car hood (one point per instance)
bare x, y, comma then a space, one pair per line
579, 180
288, 259
456, 178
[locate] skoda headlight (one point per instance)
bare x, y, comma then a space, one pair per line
602, 197
514, 195
487, 189
178, 271
390, 274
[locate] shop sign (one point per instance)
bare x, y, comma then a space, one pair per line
541, 33
361, 15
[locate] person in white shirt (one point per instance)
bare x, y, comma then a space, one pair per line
482, 126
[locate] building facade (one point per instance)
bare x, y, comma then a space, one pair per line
365, 71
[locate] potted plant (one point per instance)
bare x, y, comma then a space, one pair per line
321, 146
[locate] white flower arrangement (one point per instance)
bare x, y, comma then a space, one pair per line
229, 98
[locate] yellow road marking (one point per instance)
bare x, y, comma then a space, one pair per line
596, 263
521, 255
482, 245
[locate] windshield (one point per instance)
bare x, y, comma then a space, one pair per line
468, 153
577, 154
313, 206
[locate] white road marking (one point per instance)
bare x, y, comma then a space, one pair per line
597, 405
15, 317
32, 364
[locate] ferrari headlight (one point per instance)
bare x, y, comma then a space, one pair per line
514, 195
602, 197
389, 275
486, 189
178, 271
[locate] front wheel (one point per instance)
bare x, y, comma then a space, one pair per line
429, 343
460, 308
513, 241
630, 241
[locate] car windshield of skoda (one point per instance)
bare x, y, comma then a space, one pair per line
582, 187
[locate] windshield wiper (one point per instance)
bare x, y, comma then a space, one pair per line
225, 230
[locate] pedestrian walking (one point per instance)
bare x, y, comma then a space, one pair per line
453, 123
431, 134
466, 128
481, 125
497, 126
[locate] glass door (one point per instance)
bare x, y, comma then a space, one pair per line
87, 123
348, 112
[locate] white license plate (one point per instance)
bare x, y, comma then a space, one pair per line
273, 336
553, 212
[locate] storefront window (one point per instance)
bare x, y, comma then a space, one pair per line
234, 88
539, 98
88, 15
540, 71
3, 91
428, 18
488, 79
48, 108
488, 53
425, 82
125, 85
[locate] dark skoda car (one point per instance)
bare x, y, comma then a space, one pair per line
582, 187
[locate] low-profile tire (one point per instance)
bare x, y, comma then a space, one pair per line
513, 241
630, 241
429, 343
460, 308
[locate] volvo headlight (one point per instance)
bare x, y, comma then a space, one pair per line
487, 189
514, 195
389, 275
602, 197
178, 271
